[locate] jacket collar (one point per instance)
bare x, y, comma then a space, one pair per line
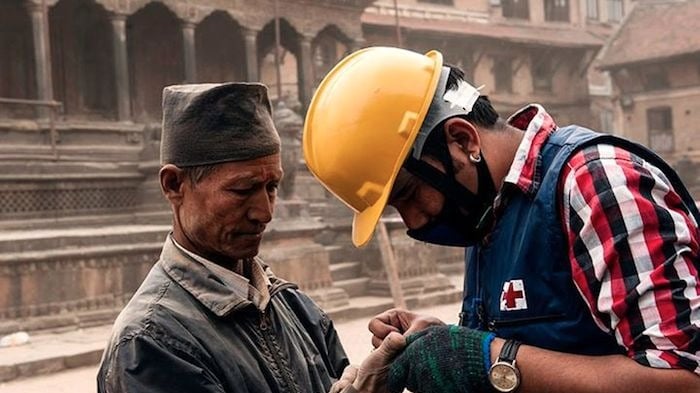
222, 294
538, 125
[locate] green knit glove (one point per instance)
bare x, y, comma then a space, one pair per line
443, 359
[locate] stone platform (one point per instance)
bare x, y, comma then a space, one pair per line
62, 349
81, 276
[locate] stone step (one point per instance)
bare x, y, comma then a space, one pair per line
346, 271
27, 168
341, 253
51, 240
308, 188
155, 217
353, 287
56, 254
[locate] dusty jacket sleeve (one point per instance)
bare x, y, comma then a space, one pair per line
321, 330
145, 364
336, 352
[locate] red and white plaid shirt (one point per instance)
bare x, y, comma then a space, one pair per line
634, 247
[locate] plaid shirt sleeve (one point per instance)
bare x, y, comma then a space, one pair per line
634, 253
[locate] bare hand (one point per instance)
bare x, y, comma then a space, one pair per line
373, 372
400, 321
348, 377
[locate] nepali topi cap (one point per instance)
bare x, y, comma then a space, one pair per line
206, 124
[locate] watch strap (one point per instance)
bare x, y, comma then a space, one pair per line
509, 351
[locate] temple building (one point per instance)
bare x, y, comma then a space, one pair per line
654, 60
81, 215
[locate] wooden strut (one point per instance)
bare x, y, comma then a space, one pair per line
390, 265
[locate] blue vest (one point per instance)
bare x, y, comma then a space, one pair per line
519, 284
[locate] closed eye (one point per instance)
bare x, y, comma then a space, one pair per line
242, 191
404, 187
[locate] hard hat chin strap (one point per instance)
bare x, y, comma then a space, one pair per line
475, 208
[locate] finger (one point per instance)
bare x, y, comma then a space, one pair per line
383, 355
391, 316
415, 336
338, 386
392, 345
382, 328
349, 374
348, 377
420, 324
376, 341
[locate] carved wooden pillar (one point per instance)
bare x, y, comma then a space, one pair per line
42, 59
306, 74
121, 67
189, 52
251, 54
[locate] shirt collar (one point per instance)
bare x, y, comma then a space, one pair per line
538, 125
217, 288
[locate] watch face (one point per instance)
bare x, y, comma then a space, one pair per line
504, 377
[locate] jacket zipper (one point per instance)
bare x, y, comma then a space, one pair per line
272, 347
495, 324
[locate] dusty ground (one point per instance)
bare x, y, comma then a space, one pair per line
353, 333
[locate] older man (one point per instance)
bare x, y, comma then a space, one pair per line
210, 316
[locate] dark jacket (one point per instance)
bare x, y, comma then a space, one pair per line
184, 331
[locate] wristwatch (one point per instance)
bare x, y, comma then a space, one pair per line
504, 375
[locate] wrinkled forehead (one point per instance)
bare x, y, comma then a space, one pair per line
268, 168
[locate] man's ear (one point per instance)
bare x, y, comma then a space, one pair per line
462, 133
172, 180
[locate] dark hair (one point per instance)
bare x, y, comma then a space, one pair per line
483, 115
199, 172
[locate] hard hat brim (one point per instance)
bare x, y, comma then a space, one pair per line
364, 223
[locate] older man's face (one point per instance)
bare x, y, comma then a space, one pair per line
224, 215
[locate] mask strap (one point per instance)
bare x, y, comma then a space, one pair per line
442, 182
455, 192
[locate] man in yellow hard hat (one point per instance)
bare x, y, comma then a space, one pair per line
583, 273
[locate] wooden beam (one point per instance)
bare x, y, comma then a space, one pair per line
390, 265
586, 62
520, 62
477, 58
558, 61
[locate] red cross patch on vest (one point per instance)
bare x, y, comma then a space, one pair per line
513, 296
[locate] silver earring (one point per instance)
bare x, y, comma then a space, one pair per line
474, 159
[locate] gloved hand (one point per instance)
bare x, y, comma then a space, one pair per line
443, 359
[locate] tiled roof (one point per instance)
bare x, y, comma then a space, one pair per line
655, 30
568, 37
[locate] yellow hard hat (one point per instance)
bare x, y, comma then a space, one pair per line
362, 123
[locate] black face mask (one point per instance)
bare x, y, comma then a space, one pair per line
465, 217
